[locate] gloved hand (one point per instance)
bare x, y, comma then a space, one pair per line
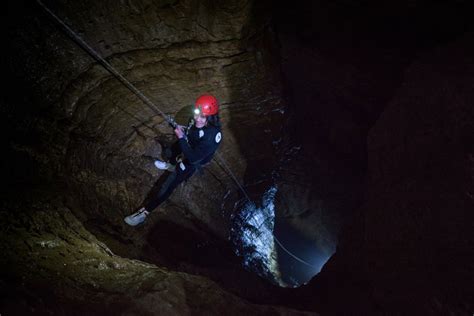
179, 131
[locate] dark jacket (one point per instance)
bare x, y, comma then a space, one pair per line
200, 144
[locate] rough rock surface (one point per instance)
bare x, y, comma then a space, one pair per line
79, 132
88, 128
74, 132
103, 138
409, 249
52, 265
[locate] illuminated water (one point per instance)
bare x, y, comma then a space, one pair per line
252, 233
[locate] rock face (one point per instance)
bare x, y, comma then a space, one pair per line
58, 267
410, 248
103, 138
78, 132
424, 186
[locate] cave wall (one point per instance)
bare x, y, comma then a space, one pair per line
101, 139
419, 210
77, 130
396, 73
76, 133
52, 265
409, 248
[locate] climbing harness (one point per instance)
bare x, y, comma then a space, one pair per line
209, 106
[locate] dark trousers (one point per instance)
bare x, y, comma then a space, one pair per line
173, 180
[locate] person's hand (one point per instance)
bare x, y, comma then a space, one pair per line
179, 131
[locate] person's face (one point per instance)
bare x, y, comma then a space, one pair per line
200, 120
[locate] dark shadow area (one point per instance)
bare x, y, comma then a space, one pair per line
199, 252
341, 63
296, 272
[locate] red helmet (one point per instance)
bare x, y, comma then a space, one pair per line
207, 105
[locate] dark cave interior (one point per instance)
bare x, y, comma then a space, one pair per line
360, 112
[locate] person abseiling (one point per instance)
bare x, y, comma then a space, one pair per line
197, 147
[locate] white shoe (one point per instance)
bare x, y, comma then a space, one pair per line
137, 218
164, 165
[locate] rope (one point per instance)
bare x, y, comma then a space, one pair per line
150, 104
222, 161
108, 66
